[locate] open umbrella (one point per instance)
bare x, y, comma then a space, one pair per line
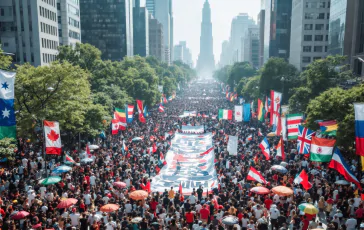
284, 164
93, 147
20, 215
138, 195
39, 225
282, 191
62, 169
87, 160
109, 208
51, 180
342, 182
119, 184
137, 139
279, 168
230, 220
67, 203
260, 190
308, 208
136, 220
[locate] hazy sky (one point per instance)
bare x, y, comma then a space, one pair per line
188, 15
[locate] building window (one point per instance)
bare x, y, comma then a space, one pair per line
319, 38
321, 4
319, 26
306, 48
58, 6
308, 26
306, 59
327, 26
5, 44
73, 10
328, 16
309, 15
2, 12
73, 34
321, 16
325, 48
327, 37
317, 48
307, 38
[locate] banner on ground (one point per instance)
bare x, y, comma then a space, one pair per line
232, 146
190, 162
192, 129
238, 113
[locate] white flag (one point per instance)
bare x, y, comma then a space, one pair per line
238, 113
232, 146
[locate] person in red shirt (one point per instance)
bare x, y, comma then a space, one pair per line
190, 217
305, 222
204, 214
153, 204
268, 202
359, 214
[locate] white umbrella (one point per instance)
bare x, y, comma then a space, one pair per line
92, 147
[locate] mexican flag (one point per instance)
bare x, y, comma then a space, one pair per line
321, 149
225, 114
293, 120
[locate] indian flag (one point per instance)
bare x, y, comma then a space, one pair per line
293, 120
321, 149
225, 114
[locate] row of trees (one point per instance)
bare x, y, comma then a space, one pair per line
81, 91
315, 91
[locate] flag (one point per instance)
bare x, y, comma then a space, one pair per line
170, 98
246, 112
180, 188
238, 113
52, 137
260, 110
7, 115
362, 163
337, 162
161, 108
69, 159
146, 114
304, 139
267, 106
227, 95
328, 127
321, 149
124, 147
140, 111
120, 116
302, 179
114, 126
130, 113
161, 159
284, 127
293, 121
147, 187
232, 97
278, 130
165, 101
225, 114
264, 146
255, 176
280, 149
359, 129
249, 138
88, 151
260, 134
154, 147
276, 99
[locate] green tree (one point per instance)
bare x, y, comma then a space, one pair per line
277, 75
7, 148
5, 60
238, 71
250, 91
222, 75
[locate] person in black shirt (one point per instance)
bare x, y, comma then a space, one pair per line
199, 193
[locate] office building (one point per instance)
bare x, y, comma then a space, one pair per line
69, 25
277, 29
109, 27
206, 61
309, 32
346, 33
29, 30
163, 13
149, 4
140, 30
183, 54
251, 47
225, 54
261, 21
156, 40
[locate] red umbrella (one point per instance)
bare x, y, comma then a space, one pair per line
260, 190
39, 225
20, 215
119, 184
67, 203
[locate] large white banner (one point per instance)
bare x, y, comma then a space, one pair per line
192, 129
238, 113
232, 146
190, 162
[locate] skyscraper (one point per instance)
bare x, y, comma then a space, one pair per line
140, 30
69, 25
261, 21
156, 41
150, 6
109, 27
163, 13
182, 53
251, 46
206, 60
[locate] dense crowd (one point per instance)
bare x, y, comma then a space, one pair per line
340, 206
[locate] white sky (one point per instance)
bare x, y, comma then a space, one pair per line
187, 16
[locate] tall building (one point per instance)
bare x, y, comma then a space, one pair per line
29, 30
140, 30
69, 25
156, 40
309, 32
346, 33
182, 53
150, 6
261, 21
206, 60
251, 47
109, 27
225, 54
277, 28
163, 13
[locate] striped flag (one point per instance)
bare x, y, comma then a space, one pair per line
130, 113
255, 176
293, 121
321, 149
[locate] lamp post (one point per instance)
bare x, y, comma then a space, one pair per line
282, 80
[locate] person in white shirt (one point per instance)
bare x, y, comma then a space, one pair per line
44, 208
192, 199
128, 207
111, 225
75, 218
25, 162
351, 223
87, 198
258, 212
198, 207
93, 180
42, 191
106, 199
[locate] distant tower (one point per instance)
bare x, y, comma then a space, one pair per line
206, 60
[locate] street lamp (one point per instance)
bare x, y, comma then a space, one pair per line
282, 80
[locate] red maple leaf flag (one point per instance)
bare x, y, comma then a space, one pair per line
52, 138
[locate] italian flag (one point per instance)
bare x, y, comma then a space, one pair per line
225, 114
321, 149
293, 120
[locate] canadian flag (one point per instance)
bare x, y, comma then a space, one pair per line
161, 108
280, 149
114, 127
52, 137
302, 178
255, 176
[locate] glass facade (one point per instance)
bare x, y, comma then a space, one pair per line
107, 26
337, 26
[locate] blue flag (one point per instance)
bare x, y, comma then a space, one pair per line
246, 112
7, 115
146, 114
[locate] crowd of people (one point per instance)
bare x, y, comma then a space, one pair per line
119, 158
